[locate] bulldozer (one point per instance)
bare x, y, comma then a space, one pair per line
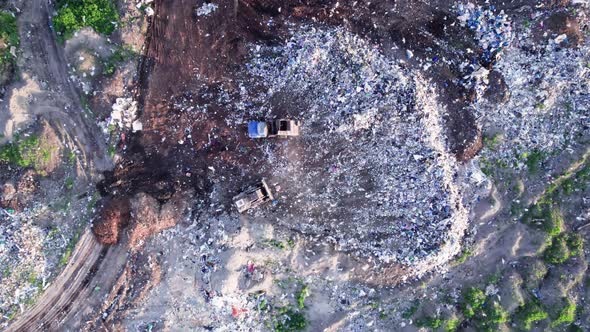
253, 196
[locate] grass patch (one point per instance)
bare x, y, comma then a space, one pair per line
491, 142
120, 55
533, 160
301, 296
473, 301
530, 313
24, 152
8, 36
566, 315
563, 247
73, 15
452, 325
69, 249
546, 216
430, 322
466, 253
288, 319
69, 183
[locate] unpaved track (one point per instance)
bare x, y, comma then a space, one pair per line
54, 304
59, 102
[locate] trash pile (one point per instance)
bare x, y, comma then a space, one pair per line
373, 174
124, 115
492, 31
145, 5
206, 9
25, 261
548, 110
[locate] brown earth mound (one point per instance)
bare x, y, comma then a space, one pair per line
113, 216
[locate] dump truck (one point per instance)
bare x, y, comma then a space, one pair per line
275, 128
253, 196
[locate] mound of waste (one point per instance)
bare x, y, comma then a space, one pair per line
371, 171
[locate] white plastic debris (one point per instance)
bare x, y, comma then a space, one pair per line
124, 114
206, 9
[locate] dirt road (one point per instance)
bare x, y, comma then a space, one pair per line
45, 83
59, 297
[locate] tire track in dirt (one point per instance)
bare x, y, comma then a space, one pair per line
60, 103
60, 297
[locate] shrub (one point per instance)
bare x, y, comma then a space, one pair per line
22, 153
452, 325
566, 315
533, 160
530, 313
430, 322
408, 313
301, 296
72, 15
494, 315
474, 299
549, 217
289, 320
563, 247
575, 243
558, 252
8, 36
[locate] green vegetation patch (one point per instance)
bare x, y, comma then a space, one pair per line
301, 296
474, 299
120, 55
408, 313
566, 315
549, 218
530, 313
466, 253
288, 319
430, 322
533, 160
452, 325
563, 247
73, 15
9, 37
24, 153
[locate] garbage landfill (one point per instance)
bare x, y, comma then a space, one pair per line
549, 105
372, 138
493, 31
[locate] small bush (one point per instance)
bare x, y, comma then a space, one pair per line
575, 243
558, 252
566, 315
550, 218
302, 295
452, 325
563, 247
530, 313
23, 153
494, 315
72, 15
430, 322
289, 320
533, 160
8, 36
474, 299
